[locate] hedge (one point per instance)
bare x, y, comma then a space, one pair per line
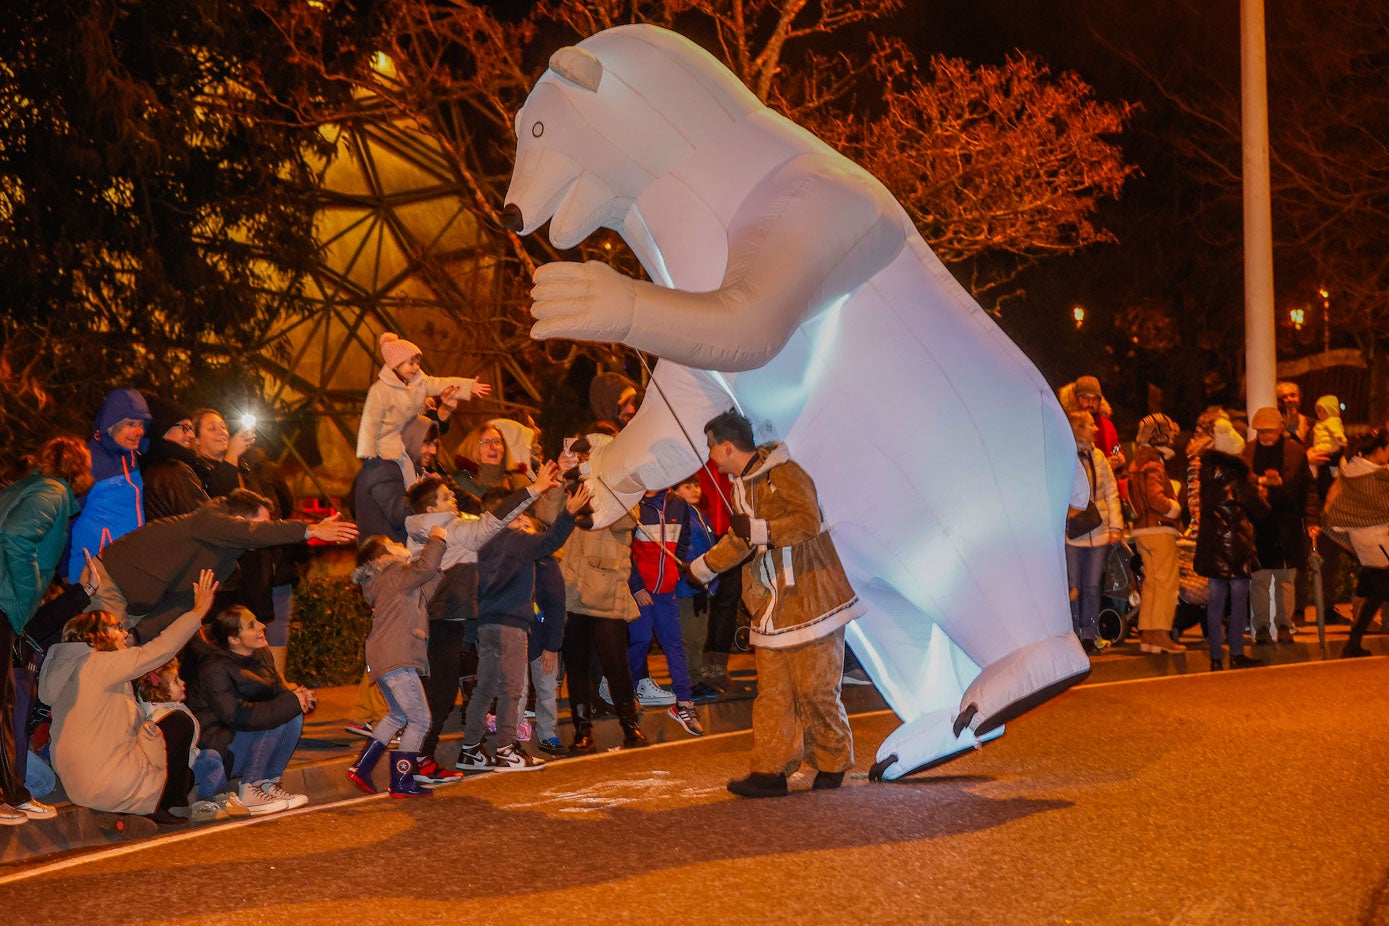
331, 623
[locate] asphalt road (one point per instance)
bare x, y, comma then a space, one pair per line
1236, 797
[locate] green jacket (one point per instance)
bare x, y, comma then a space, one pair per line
34, 516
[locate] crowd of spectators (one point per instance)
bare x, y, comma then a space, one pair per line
146, 577
1223, 516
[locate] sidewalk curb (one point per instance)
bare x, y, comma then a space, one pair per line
324, 778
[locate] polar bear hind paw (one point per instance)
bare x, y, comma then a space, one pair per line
924, 743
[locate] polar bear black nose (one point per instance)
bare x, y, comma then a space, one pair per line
511, 218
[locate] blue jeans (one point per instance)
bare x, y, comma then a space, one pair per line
265, 753
209, 774
1084, 573
406, 707
1237, 590
661, 617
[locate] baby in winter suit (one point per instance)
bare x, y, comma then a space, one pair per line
1328, 434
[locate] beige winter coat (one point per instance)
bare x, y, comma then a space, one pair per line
108, 755
794, 586
597, 567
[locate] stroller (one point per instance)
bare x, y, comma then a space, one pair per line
1119, 595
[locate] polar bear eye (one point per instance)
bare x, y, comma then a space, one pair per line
538, 129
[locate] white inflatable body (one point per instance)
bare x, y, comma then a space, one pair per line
790, 282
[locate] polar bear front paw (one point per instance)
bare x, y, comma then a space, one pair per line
924, 743
587, 301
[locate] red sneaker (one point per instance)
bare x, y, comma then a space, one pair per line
432, 773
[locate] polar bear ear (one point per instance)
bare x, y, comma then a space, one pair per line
578, 67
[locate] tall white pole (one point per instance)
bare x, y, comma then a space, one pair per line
1260, 349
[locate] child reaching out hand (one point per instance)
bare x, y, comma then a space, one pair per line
399, 394
397, 653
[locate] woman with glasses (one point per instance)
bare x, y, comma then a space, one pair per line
107, 754
172, 484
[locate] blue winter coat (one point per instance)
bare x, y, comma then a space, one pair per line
34, 515
115, 506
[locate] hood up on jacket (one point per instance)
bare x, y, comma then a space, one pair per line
107, 455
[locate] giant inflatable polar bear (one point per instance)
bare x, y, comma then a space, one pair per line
790, 282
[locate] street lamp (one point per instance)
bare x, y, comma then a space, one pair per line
1298, 317
1078, 313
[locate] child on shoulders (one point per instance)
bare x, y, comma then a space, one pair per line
398, 396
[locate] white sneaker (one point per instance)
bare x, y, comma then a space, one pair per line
11, 817
472, 759
649, 694
272, 788
206, 811
253, 801
514, 758
37, 810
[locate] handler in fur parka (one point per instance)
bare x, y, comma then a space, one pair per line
800, 599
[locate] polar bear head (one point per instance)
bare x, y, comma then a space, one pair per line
607, 118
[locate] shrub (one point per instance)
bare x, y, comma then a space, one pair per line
331, 623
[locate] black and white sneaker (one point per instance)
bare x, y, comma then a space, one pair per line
514, 758
684, 714
473, 760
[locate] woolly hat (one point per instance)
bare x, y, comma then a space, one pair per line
395, 350
1267, 419
606, 394
1088, 385
163, 415
1226, 439
1157, 430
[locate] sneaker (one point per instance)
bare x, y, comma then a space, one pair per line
703, 692
9, 816
684, 714
472, 760
554, 747
206, 812
356, 728
37, 810
649, 694
514, 758
603, 693
252, 801
272, 788
432, 773
855, 677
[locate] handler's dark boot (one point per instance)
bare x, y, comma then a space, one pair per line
827, 781
629, 717
359, 773
760, 784
583, 744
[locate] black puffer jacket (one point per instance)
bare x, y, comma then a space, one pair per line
1230, 504
237, 693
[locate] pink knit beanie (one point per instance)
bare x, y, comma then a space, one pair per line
395, 350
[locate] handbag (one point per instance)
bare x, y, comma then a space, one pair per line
1078, 525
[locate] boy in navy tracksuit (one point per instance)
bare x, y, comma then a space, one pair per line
506, 615
660, 546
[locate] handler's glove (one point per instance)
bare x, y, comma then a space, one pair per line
753, 530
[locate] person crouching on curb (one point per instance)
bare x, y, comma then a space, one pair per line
397, 653
795, 587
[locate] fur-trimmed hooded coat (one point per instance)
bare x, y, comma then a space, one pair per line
794, 586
